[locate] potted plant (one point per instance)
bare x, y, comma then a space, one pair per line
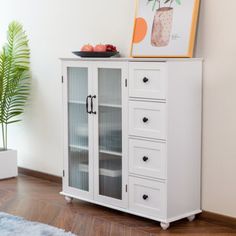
162, 23
14, 91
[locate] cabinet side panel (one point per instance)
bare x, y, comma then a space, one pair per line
65, 127
184, 138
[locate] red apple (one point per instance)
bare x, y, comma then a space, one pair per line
100, 48
111, 48
87, 48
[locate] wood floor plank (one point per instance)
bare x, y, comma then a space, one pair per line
39, 200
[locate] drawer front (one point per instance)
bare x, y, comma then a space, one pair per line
147, 119
147, 197
148, 80
147, 158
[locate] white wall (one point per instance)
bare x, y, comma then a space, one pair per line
57, 27
217, 44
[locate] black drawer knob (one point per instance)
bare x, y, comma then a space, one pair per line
145, 159
145, 119
145, 80
145, 197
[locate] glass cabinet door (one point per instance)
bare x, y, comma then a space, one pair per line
110, 148
78, 132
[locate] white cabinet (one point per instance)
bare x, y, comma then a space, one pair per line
147, 197
78, 127
147, 119
132, 135
148, 80
95, 115
147, 158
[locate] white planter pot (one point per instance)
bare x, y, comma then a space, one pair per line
8, 164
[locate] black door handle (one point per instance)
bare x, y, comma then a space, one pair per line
145, 159
87, 101
145, 119
92, 111
145, 80
145, 197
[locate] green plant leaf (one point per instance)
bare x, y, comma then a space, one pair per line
154, 3
14, 77
178, 2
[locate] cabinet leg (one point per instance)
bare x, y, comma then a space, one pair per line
68, 199
191, 218
165, 226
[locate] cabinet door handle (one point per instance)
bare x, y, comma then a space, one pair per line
145, 197
87, 104
145, 120
92, 111
145, 159
145, 80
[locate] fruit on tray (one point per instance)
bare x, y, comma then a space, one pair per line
100, 48
111, 48
87, 48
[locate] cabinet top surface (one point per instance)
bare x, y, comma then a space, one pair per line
129, 59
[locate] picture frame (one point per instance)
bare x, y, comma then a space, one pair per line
165, 28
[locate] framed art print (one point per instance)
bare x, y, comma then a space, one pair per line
165, 28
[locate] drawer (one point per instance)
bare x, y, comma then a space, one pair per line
147, 119
147, 80
147, 158
147, 197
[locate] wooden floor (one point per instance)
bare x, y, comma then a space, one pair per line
39, 200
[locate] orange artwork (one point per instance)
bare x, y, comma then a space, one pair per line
140, 30
165, 28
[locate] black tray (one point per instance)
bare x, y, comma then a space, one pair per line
96, 54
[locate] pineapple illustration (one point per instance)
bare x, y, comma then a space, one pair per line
162, 23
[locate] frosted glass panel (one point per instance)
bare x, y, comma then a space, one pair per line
109, 86
78, 128
110, 133
78, 83
110, 129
